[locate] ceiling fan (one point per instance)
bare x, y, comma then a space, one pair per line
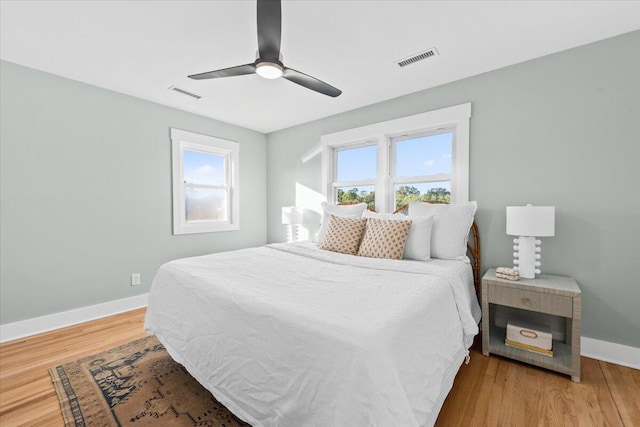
269, 62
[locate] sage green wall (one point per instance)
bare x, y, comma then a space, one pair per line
561, 130
86, 193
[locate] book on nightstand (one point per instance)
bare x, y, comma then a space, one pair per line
527, 347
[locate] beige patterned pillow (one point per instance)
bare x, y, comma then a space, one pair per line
343, 234
384, 238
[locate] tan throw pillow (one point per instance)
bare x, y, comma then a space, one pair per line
384, 238
352, 211
343, 234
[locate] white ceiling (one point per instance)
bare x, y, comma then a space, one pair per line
141, 48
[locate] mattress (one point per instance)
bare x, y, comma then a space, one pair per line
290, 335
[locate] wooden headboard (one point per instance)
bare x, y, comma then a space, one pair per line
473, 249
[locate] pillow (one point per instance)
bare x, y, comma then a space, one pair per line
343, 234
384, 238
451, 225
418, 244
368, 214
350, 211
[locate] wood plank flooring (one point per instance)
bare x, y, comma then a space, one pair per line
490, 391
494, 391
27, 396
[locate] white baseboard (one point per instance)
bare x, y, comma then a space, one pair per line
610, 352
37, 325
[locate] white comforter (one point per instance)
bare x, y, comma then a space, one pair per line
290, 335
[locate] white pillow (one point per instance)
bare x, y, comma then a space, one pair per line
418, 244
451, 225
349, 211
397, 216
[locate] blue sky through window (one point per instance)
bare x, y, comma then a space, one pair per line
426, 155
357, 164
203, 168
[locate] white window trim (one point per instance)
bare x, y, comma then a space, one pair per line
181, 140
457, 117
396, 180
355, 183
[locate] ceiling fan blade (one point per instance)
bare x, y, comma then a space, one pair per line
269, 29
310, 82
240, 70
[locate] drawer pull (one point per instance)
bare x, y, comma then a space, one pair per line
528, 334
525, 301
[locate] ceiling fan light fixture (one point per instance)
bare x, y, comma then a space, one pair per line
268, 63
269, 70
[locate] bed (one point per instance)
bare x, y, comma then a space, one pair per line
293, 335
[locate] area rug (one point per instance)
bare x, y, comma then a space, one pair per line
136, 384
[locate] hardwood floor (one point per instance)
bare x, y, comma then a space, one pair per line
494, 391
27, 396
490, 391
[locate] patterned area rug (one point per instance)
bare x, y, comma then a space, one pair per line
136, 384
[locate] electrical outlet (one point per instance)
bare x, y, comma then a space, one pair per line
135, 279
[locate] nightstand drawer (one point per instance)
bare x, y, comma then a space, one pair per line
534, 301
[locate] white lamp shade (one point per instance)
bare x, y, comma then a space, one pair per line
291, 215
538, 221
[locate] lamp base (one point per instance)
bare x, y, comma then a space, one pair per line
292, 233
526, 257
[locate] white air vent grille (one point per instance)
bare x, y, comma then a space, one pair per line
417, 57
185, 92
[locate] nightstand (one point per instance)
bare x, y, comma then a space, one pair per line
557, 296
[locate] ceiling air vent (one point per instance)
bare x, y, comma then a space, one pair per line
417, 57
184, 92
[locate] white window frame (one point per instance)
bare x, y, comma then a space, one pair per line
394, 179
341, 184
456, 118
183, 140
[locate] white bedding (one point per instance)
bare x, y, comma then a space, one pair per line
290, 335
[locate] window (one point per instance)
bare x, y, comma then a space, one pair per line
389, 164
205, 183
356, 170
421, 167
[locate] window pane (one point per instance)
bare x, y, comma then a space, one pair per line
203, 168
423, 191
363, 194
426, 155
205, 204
357, 164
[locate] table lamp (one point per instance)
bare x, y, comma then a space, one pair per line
292, 217
529, 222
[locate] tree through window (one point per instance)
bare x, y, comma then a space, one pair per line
424, 157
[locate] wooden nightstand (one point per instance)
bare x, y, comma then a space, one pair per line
554, 295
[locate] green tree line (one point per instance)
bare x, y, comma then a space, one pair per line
404, 195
